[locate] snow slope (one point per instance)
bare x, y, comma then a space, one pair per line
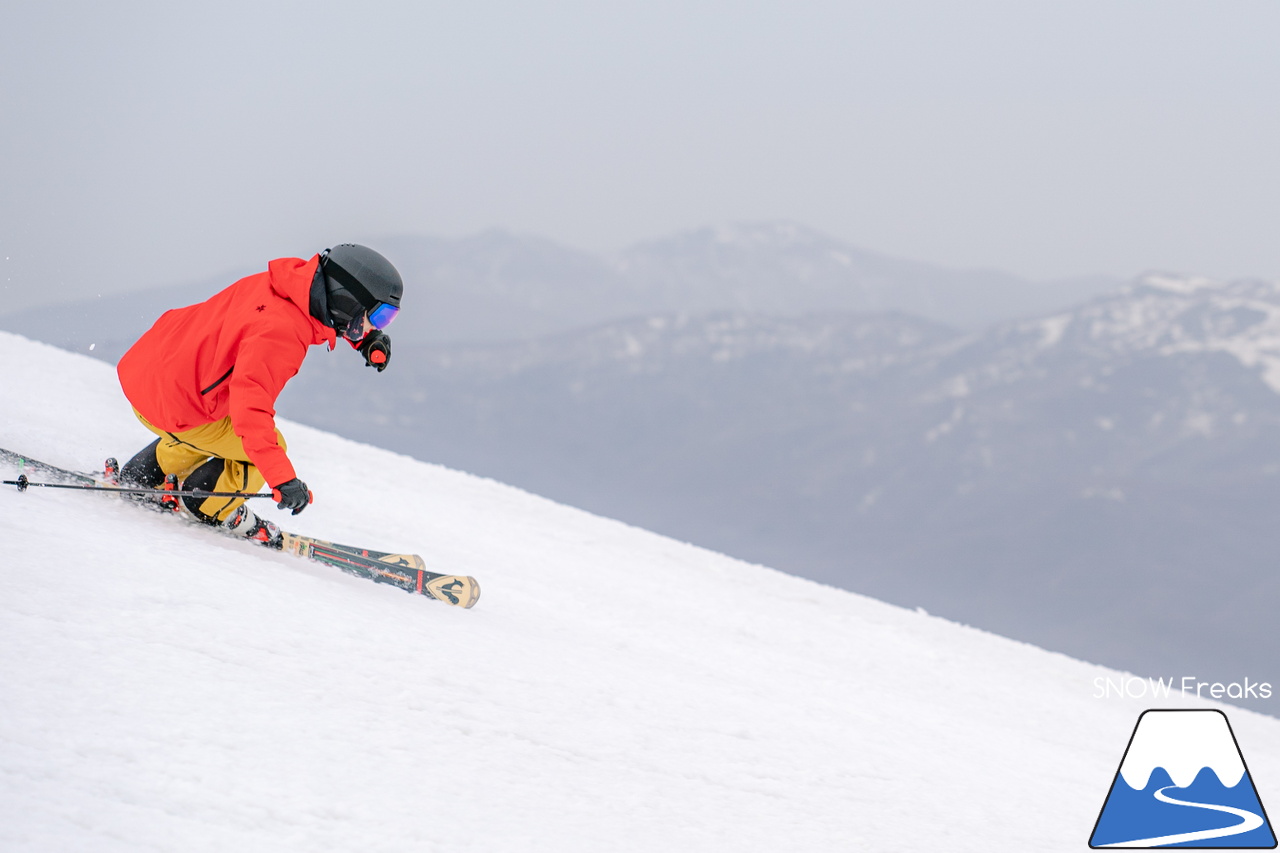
164, 688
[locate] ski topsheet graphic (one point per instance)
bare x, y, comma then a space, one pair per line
1183, 783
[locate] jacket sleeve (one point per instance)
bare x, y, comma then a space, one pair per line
267, 359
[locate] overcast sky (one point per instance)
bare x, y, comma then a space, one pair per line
147, 142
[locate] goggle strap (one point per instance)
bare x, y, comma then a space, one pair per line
351, 283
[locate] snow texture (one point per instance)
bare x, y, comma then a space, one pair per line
168, 689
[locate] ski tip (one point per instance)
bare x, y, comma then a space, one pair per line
457, 590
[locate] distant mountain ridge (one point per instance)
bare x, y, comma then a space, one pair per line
786, 268
501, 286
498, 286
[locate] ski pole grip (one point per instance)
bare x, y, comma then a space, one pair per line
277, 497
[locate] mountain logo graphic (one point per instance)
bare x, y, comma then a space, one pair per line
1183, 783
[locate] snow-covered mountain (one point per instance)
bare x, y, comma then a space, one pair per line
167, 689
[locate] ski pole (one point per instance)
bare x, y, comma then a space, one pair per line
23, 484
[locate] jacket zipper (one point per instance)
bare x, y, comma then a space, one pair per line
223, 378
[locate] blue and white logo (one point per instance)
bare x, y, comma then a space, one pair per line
1183, 783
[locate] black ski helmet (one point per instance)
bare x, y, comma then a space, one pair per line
357, 280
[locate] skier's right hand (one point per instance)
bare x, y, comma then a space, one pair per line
292, 495
376, 349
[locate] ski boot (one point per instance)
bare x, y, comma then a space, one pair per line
159, 499
244, 522
170, 502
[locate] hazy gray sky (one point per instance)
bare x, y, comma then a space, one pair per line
146, 142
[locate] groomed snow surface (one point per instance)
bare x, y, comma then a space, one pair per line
164, 688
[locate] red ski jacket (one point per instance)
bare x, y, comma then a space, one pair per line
229, 356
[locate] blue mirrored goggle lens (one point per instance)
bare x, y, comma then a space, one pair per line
382, 316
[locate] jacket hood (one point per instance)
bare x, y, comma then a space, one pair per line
291, 279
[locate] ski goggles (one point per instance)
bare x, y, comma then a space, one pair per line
378, 318
382, 315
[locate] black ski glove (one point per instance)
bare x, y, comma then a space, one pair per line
376, 349
292, 495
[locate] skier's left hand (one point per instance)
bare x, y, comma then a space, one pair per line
293, 495
376, 349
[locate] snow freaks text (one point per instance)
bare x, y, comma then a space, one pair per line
1135, 687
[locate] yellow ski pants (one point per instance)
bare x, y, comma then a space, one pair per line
182, 452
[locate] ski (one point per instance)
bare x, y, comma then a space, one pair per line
406, 571
21, 463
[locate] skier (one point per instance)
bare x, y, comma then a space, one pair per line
205, 378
